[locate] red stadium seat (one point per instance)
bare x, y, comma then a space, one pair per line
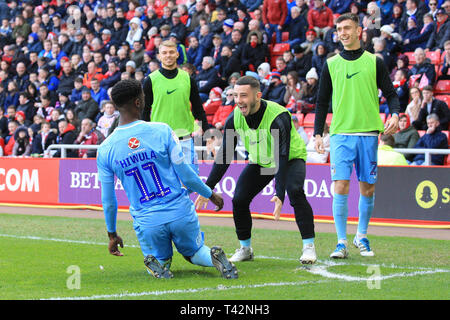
300, 117
279, 48
442, 57
434, 56
308, 121
285, 36
442, 86
444, 97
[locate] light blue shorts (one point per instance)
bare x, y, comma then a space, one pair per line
184, 233
349, 150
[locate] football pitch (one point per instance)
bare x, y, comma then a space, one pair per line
44, 257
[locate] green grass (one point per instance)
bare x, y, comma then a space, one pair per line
37, 268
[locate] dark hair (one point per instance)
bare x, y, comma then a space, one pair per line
125, 91
388, 139
348, 16
428, 88
248, 81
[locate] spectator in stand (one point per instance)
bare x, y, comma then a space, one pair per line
22, 144
107, 119
67, 77
412, 32
217, 46
57, 57
213, 103
72, 118
93, 72
207, 78
379, 47
423, 72
401, 87
275, 90
254, 52
340, 6
308, 92
119, 32
407, 136
45, 77
434, 138
415, 104
431, 105
292, 94
319, 58
224, 109
197, 14
111, 77
297, 27
445, 70
395, 19
98, 93
26, 105
12, 95
442, 32
419, 40
402, 64
312, 155
311, 42
412, 9
9, 139
392, 39
195, 52
100, 61
45, 137
227, 63
22, 77
87, 107
274, 14
320, 18
88, 135
21, 120
264, 73
135, 33
3, 124
301, 63
75, 95
386, 155
67, 135
227, 30
64, 102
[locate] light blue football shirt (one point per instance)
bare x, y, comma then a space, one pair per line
148, 160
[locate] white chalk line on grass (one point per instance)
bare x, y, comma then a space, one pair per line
320, 270
183, 291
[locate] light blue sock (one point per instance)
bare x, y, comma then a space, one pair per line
307, 241
202, 257
340, 214
246, 243
365, 212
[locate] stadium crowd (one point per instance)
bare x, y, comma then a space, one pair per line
59, 60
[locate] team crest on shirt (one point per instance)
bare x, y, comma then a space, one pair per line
133, 143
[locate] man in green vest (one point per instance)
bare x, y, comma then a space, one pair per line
276, 150
171, 97
351, 79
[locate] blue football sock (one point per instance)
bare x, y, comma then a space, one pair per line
340, 214
246, 243
307, 241
202, 257
365, 212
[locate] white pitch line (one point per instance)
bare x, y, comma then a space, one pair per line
182, 291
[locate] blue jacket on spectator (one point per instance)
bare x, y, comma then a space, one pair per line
251, 5
421, 39
101, 95
339, 6
195, 56
410, 34
11, 99
435, 140
75, 95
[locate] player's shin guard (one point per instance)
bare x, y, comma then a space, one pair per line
340, 214
365, 207
202, 257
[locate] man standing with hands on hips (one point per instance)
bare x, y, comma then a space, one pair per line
352, 79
